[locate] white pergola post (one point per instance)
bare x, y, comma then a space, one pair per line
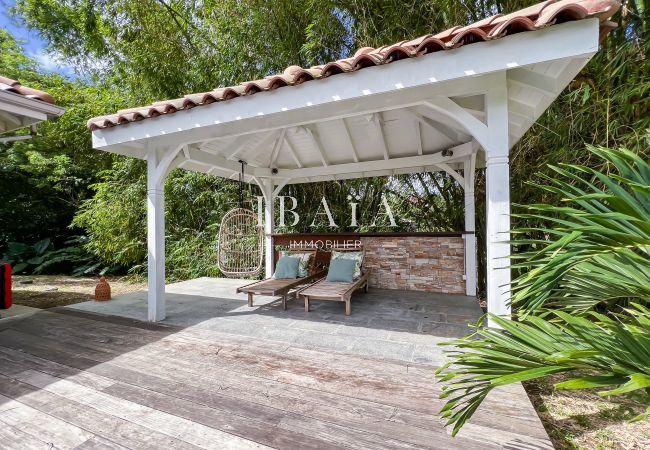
155, 238
470, 218
497, 190
266, 185
159, 162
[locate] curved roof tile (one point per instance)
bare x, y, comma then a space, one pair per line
534, 17
14, 86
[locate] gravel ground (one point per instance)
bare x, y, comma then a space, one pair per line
47, 291
584, 420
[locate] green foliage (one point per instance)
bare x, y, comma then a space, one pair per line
609, 353
593, 269
596, 246
136, 52
116, 223
41, 257
45, 179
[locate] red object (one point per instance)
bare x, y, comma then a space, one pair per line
5, 286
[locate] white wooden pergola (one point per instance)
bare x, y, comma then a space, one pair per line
451, 111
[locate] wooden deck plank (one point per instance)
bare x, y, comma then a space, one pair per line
169, 424
97, 443
313, 403
39, 425
408, 373
12, 439
100, 425
256, 391
424, 422
507, 414
273, 417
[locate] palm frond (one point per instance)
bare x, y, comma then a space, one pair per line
616, 348
597, 247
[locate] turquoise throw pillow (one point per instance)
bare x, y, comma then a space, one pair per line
357, 257
341, 270
287, 267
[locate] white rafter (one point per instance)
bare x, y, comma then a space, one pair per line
448, 107
529, 79
437, 125
292, 151
266, 140
277, 146
459, 152
348, 138
377, 120
418, 137
313, 134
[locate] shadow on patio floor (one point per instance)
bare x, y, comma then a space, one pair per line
402, 325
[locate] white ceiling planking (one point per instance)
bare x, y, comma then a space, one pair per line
349, 139
400, 134
334, 142
303, 145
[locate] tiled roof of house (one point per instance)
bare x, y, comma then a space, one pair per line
9, 85
532, 18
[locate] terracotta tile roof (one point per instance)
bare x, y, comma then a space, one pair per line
535, 17
9, 85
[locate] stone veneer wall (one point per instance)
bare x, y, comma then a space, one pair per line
416, 263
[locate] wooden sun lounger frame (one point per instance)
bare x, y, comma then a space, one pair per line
274, 288
327, 290
338, 292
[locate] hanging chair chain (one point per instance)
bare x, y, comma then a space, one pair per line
241, 183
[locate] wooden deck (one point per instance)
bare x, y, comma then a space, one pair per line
72, 379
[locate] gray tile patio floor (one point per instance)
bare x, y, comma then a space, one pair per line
402, 325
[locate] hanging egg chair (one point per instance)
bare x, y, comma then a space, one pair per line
241, 240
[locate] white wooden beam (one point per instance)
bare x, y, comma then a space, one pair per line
235, 146
448, 107
459, 152
313, 134
437, 125
276, 147
529, 79
280, 186
378, 121
158, 163
455, 175
11, 118
293, 153
348, 138
266, 185
418, 137
264, 142
212, 160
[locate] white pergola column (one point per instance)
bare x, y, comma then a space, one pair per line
470, 226
159, 162
497, 189
155, 238
266, 185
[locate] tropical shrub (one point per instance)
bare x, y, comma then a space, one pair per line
41, 257
581, 299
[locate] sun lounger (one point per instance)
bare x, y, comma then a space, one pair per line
338, 292
282, 287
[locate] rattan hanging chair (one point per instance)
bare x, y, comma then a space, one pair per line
241, 244
241, 240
